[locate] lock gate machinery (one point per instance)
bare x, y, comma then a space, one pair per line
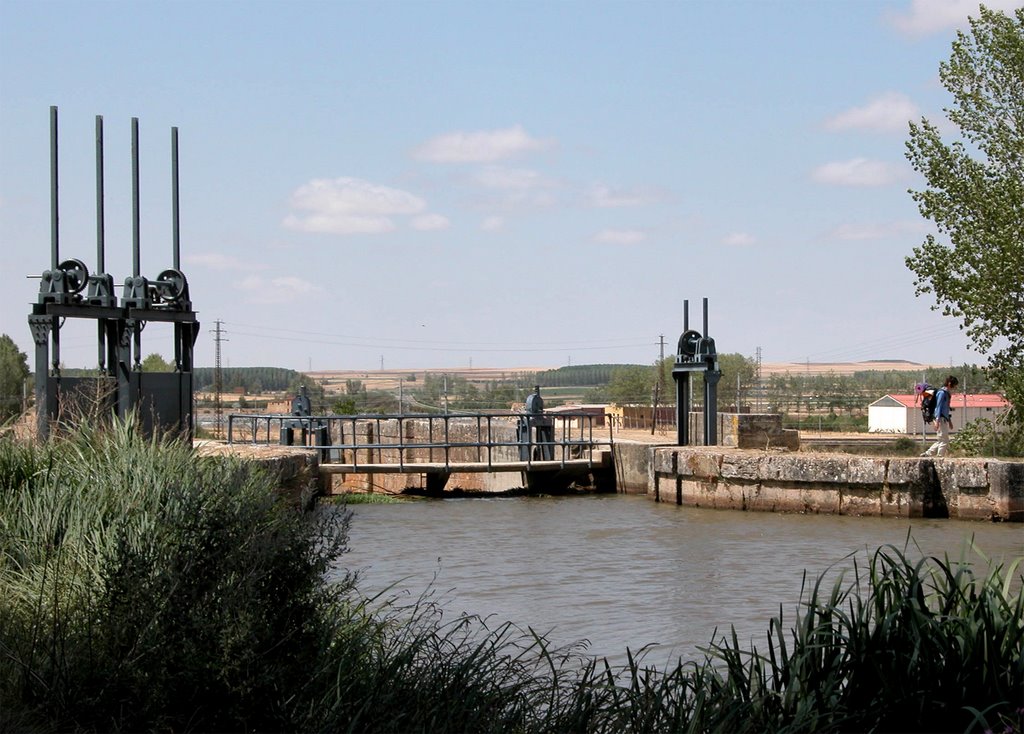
696, 353
162, 401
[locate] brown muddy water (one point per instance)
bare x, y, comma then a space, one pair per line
623, 571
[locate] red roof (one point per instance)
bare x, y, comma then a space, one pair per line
960, 400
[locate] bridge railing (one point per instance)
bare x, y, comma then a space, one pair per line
427, 438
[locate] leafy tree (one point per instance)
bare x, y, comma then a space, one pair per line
631, 384
13, 373
975, 196
344, 406
156, 363
732, 366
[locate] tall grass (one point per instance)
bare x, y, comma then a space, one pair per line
143, 587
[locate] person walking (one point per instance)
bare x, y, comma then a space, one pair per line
943, 417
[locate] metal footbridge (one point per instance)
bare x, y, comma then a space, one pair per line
548, 449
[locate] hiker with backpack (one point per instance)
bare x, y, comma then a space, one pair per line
943, 417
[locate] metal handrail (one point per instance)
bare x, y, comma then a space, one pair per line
312, 428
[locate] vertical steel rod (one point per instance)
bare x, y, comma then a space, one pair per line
100, 259
175, 237
101, 328
54, 234
136, 269
705, 318
54, 218
686, 316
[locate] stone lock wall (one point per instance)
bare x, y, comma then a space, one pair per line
757, 431
968, 489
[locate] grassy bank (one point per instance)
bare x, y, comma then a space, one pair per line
143, 587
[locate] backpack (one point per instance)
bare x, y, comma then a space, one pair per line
926, 393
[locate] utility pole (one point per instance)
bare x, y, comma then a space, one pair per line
218, 378
657, 383
758, 378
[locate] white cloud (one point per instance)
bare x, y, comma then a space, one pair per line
933, 16
888, 112
430, 222
282, 289
605, 197
516, 187
620, 236
349, 206
858, 172
217, 261
492, 224
739, 239
480, 147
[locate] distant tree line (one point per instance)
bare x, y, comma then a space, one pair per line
584, 375
251, 379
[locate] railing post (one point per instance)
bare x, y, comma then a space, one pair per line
447, 443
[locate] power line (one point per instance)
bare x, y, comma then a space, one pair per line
380, 345
628, 341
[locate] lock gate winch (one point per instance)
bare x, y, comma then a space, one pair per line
696, 352
162, 401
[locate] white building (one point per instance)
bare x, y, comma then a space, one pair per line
902, 413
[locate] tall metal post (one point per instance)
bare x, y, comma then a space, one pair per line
101, 265
683, 410
136, 267
54, 216
683, 397
175, 231
54, 234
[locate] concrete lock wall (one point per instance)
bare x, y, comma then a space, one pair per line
967, 489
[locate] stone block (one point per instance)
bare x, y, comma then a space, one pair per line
821, 501
736, 465
861, 502
892, 503
762, 499
666, 489
824, 470
971, 475
699, 464
906, 472
738, 492
665, 461
1007, 490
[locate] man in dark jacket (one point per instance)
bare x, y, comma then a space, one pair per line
943, 417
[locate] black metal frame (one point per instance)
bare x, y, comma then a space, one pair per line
696, 353
163, 401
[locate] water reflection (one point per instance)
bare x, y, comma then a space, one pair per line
622, 571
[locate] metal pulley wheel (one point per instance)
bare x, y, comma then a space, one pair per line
689, 343
172, 284
76, 275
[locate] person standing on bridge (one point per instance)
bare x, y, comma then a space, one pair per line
943, 417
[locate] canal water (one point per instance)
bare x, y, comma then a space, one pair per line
622, 571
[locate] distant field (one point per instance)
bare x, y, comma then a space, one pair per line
842, 368
389, 379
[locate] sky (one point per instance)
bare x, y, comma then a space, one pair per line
452, 184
